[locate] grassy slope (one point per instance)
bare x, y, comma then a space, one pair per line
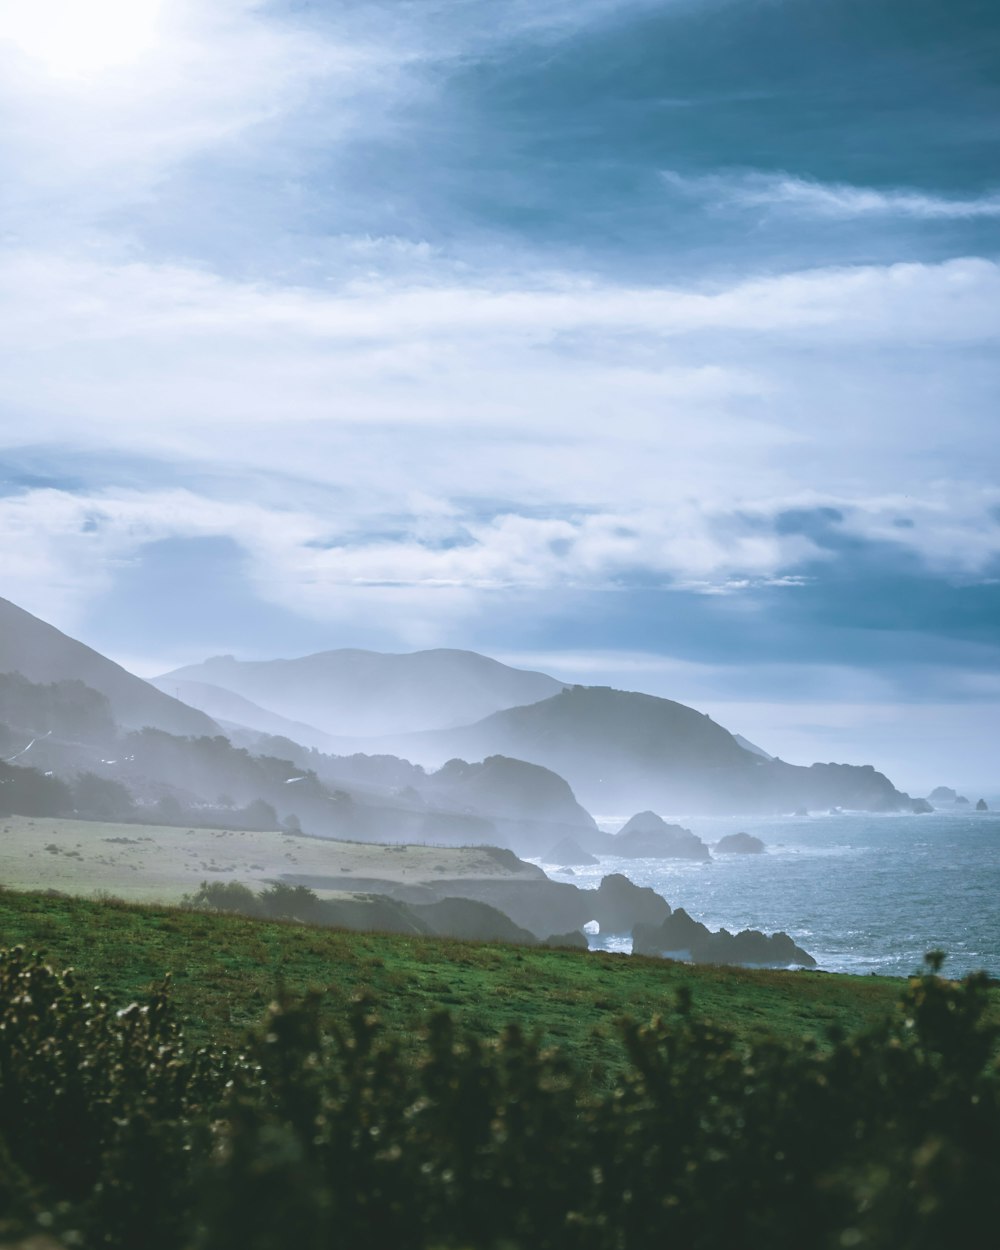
162, 863
226, 969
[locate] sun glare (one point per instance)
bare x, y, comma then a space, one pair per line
79, 39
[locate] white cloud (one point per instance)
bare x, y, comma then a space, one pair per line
438, 565
803, 197
446, 441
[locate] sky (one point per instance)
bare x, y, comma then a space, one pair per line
652, 343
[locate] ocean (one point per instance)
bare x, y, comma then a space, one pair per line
861, 893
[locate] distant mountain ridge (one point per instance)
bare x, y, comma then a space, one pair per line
363, 694
620, 749
617, 750
42, 653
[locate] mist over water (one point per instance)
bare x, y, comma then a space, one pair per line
862, 893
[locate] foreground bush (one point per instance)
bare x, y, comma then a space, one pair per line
322, 1134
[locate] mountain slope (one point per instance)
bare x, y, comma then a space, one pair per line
620, 750
41, 653
225, 706
368, 693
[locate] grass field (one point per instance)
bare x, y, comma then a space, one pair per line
162, 863
226, 969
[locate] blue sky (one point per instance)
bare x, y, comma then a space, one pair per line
649, 343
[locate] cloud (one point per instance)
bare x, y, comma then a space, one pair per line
785, 193
81, 150
439, 436
440, 564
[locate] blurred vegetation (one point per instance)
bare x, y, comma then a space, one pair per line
323, 1129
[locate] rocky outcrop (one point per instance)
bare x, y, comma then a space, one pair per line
682, 937
544, 907
945, 796
982, 806
469, 918
739, 844
648, 836
568, 851
620, 905
920, 807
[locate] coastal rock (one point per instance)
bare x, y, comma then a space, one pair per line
544, 907
648, 836
680, 936
568, 851
982, 806
620, 905
921, 807
739, 844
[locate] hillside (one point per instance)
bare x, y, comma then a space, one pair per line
366, 693
233, 710
412, 1096
620, 751
225, 970
41, 653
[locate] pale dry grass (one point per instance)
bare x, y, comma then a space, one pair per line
160, 863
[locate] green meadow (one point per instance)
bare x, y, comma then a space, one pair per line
225, 970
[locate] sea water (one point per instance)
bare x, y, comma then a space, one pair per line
861, 893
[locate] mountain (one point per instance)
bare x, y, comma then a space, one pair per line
620, 750
39, 652
368, 693
752, 747
233, 710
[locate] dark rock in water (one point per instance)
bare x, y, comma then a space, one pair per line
595, 841
568, 851
470, 918
942, 796
566, 872
921, 807
982, 806
620, 905
674, 935
739, 844
546, 906
644, 822
648, 836
683, 937
574, 940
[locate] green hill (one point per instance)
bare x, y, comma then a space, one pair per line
361, 1114
227, 968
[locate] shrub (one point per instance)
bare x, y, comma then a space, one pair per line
323, 1133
